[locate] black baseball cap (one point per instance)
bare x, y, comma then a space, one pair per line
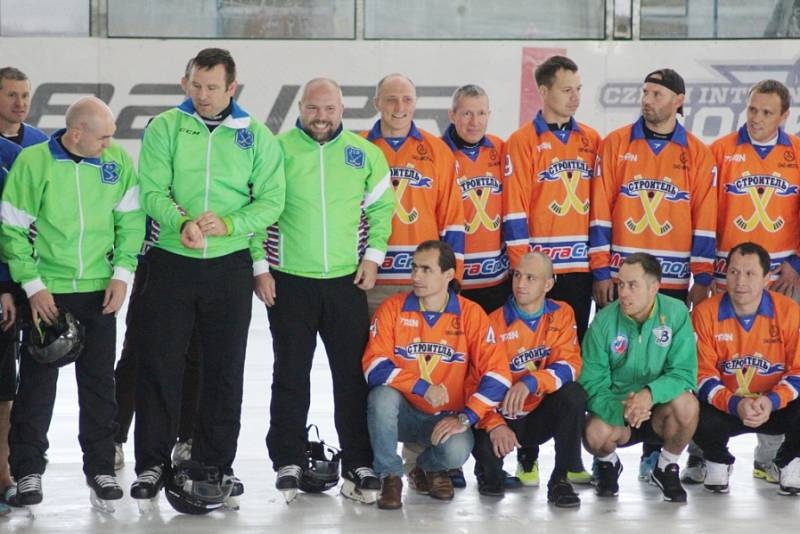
669, 79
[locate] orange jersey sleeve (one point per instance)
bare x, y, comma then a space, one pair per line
547, 201
655, 196
746, 357
427, 200
758, 198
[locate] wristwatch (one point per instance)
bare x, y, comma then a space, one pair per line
463, 419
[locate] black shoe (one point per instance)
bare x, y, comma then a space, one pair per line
361, 484
490, 489
510, 481
561, 494
608, 478
670, 483
105, 487
148, 483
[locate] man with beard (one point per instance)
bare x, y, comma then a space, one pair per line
324, 253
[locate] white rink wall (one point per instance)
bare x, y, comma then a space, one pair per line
139, 77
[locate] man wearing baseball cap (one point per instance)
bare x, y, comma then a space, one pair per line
655, 191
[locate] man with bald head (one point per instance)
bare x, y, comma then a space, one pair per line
324, 253
545, 400
81, 192
427, 198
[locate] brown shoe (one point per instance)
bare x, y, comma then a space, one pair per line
391, 497
441, 487
418, 481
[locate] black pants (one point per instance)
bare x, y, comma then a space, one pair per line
576, 290
561, 416
36, 395
336, 309
717, 427
215, 295
125, 373
489, 298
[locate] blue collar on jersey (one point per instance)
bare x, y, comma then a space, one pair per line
8, 152
375, 132
744, 137
336, 134
412, 304
541, 125
510, 313
447, 137
765, 307
238, 118
58, 152
678, 137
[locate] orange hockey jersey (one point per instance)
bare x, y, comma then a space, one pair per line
427, 201
546, 201
410, 350
744, 357
479, 175
543, 353
658, 197
758, 198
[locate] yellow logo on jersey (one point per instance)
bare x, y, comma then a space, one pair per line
570, 173
760, 202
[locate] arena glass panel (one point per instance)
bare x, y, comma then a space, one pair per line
477, 19
52, 18
719, 19
242, 19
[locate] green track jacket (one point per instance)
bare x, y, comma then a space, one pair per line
621, 356
339, 205
236, 171
88, 223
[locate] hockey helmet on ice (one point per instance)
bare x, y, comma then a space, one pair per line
321, 471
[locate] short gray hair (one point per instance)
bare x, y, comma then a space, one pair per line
469, 90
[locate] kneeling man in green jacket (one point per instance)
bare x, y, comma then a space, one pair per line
639, 372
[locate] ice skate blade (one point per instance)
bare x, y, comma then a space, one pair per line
104, 506
289, 495
350, 491
231, 503
147, 506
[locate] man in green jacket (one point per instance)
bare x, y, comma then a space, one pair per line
211, 176
324, 253
639, 372
82, 194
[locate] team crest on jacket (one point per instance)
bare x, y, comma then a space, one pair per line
570, 172
354, 157
663, 335
529, 360
619, 345
244, 138
440, 351
652, 192
109, 172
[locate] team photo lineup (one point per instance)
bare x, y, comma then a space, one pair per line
476, 297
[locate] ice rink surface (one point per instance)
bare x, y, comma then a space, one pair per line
750, 506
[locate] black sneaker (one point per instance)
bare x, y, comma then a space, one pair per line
561, 494
105, 487
28, 491
608, 478
148, 483
670, 483
490, 489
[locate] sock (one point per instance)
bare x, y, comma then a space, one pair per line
666, 458
613, 458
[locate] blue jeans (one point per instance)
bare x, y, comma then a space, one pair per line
391, 419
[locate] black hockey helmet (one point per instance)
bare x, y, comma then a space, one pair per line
196, 489
58, 344
321, 471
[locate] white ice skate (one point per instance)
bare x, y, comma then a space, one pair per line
361, 485
103, 489
232, 501
288, 481
146, 488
